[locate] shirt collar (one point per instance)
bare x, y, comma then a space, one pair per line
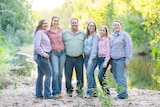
50, 30
43, 31
102, 37
79, 31
117, 34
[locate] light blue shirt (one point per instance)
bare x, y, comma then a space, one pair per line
91, 46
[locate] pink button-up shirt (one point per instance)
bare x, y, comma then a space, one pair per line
56, 39
104, 48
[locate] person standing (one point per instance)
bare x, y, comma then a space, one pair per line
42, 50
121, 53
103, 57
90, 57
57, 55
73, 40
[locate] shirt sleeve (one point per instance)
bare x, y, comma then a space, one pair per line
128, 47
37, 43
108, 51
94, 48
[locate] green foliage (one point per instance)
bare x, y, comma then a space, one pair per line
142, 73
20, 66
105, 100
16, 27
17, 17
15, 84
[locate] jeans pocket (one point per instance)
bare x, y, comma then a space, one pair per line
43, 59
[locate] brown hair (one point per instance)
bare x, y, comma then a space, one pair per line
87, 30
54, 16
39, 25
106, 28
118, 22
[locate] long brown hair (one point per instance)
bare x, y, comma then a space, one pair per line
87, 30
39, 25
106, 28
54, 16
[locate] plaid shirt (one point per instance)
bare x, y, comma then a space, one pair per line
121, 45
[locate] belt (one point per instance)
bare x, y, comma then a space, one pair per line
118, 58
101, 56
58, 50
74, 56
86, 54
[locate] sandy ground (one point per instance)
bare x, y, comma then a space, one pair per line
24, 96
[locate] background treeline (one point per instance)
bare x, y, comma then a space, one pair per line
140, 18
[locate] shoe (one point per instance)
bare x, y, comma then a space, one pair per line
49, 97
119, 97
56, 96
39, 96
60, 95
107, 92
88, 96
69, 94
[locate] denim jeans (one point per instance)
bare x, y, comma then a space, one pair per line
119, 73
91, 82
57, 62
102, 71
70, 63
44, 69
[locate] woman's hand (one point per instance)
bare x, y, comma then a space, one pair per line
47, 56
126, 64
89, 63
104, 65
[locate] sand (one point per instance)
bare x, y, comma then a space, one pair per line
24, 96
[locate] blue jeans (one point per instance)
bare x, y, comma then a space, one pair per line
57, 62
119, 73
70, 63
91, 82
102, 71
44, 69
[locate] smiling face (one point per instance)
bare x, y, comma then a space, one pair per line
117, 26
103, 32
44, 25
74, 24
55, 22
91, 27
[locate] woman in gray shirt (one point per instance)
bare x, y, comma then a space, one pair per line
121, 53
42, 50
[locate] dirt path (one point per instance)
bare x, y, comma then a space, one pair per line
23, 96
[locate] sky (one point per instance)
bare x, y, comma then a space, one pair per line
45, 4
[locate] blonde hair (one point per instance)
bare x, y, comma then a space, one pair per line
39, 25
53, 17
87, 30
106, 28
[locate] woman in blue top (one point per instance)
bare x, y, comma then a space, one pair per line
90, 57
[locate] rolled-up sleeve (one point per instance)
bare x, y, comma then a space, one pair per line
107, 51
94, 48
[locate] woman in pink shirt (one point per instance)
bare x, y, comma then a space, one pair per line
57, 55
103, 57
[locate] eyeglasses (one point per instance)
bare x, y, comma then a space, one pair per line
92, 25
45, 23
